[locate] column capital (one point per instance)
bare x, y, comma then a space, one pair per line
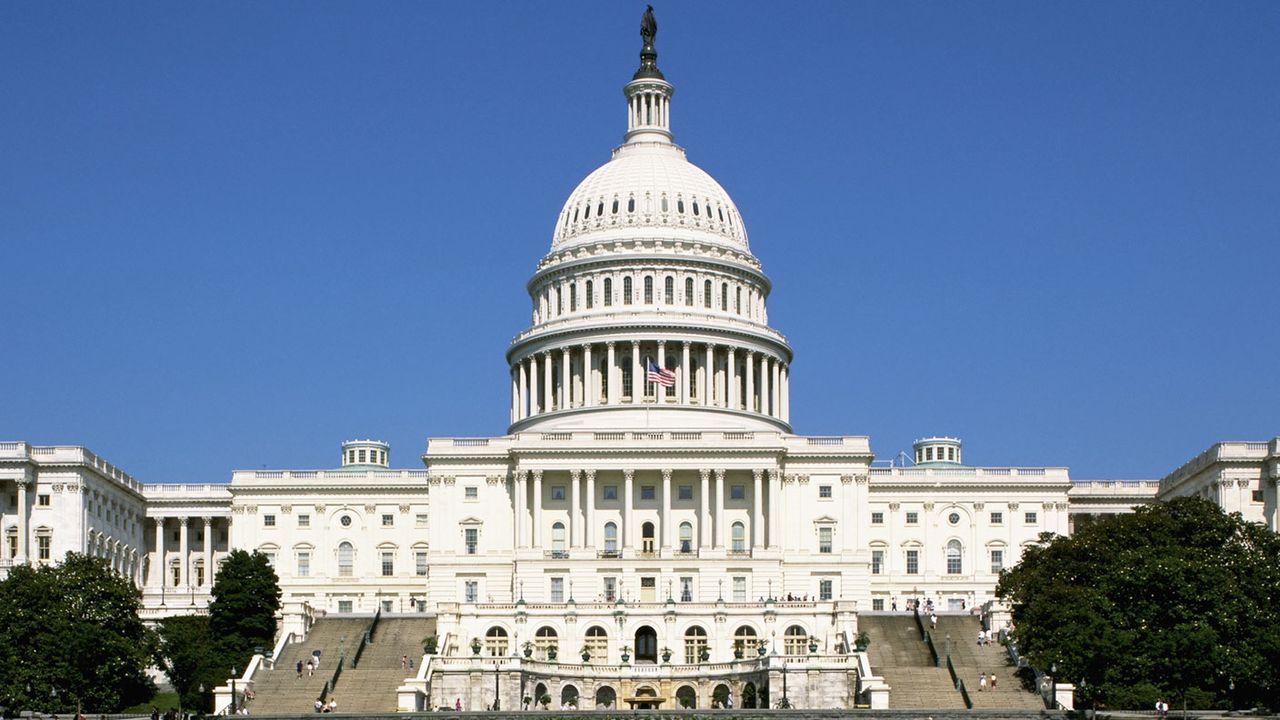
183, 521
628, 475
757, 473
662, 343
719, 473
575, 474
686, 344
208, 522
666, 475
537, 475
591, 474
704, 473
609, 344
585, 347
158, 521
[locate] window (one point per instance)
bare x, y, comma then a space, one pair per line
686, 537
199, 571
825, 589
304, 520
557, 492
43, 547
610, 538
557, 541
877, 562
471, 492
589, 295
1030, 518
346, 559
345, 521
706, 294
388, 520
387, 605
557, 589
953, 557
420, 563
362, 456
997, 561
997, 518
954, 518
573, 298
737, 492
388, 563
304, 563
745, 640
739, 589
647, 538
611, 589
626, 375
877, 518
669, 291
737, 300
470, 591
344, 606
913, 518
268, 521
824, 491
739, 533
175, 573
685, 492
626, 291
608, 292
597, 642
724, 296
824, 540
686, 589
648, 290
688, 291
913, 562
1256, 496
544, 639
695, 643
472, 539
795, 641
420, 520
646, 492
877, 604
610, 492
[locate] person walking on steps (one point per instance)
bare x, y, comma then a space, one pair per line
982, 682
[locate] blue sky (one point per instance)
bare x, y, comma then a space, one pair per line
235, 234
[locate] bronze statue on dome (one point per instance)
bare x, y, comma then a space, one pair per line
648, 27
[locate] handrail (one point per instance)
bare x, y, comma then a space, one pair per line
933, 651
919, 624
952, 669
373, 626
955, 679
355, 657
332, 682
964, 695
285, 639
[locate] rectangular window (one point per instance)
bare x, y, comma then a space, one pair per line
557, 590
1030, 518
388, 563
420, 563
997, 561
344, 606
387, 605
824, 491
686, 589
686, 492
271, 559
877, 518
199, 568
646, 492
913, 562
472, 536
739, 589
557, 492
737, 492
304, 563
610, 589
913, 518
304, 521
471, 492
388, 520
43, 543
610, 492
1257, 496
420, 520
824, 540
268, 521
997, 518
825, 589
471, 591
877, 562
42, 500
877, 604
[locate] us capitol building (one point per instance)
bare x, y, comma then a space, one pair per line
649, 497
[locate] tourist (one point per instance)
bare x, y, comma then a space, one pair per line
299, 669
404, 661
311, 668
319, 705
982, 682
993, 682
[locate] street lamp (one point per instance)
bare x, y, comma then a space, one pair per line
785, 702
1231, 693
54, 694
495, 685
201, 695
1053, 676
233, 690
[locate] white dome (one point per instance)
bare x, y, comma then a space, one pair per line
626, 196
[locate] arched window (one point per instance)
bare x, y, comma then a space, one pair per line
724, 297
346, 559
669, 291
573, 297
600, 207
664, 203
695, 207
648, 290
646, 537
608, 292
495, 642
745, 640
737, 300
695, 642
610, 537
626, 376
739, 537
604, 379
543, 640
557, 539
626, 291
706, 294
631, 205
615, 206
954, 565
680, 205
597, 642
559, 303
688, 291
796, 640
686, 537
589, 298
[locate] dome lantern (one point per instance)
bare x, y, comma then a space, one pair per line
648, 93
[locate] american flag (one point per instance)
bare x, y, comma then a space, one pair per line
661, 376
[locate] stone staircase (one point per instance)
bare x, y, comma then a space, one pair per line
370, 687
281, 692
899, 656
970, 659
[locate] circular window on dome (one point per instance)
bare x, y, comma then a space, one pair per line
345, 520
953, 518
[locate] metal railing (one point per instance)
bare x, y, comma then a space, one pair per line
959, 685
933, 651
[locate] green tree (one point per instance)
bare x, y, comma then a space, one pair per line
242, 615
1175, 600
71, 633
189, 657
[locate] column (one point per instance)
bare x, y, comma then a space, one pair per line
765, 408
566, 386
537, 508
588, 378
684, 373
776, 368
575, 524
757, 502
208, 552
750, 404
157, 567
518, 504
660, 392
731, 377
627, 477
590, 529
523, 408
548, 386
535, 401
666, 511
708, 376
184, 557
717, 536
704, 510
515, 390
637, 376
775, 508
786, 394
24, 516
611, 396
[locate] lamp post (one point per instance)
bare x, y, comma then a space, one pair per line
495, 686
1053, 677
54, 694
233, 690
200, 692
785, 702
1231, 693
27, 697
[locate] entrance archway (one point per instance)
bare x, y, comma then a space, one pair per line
569, 697
686, 697
749, 699
646, 645
606, 698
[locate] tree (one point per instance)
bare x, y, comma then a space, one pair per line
1176, 600
72, 628
188, 655
242, 615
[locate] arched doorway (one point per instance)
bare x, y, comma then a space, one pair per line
641, 700
646, 645
606, 698
540, 696
568, 697
720, 696
686, 697
749, 699
647, 538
